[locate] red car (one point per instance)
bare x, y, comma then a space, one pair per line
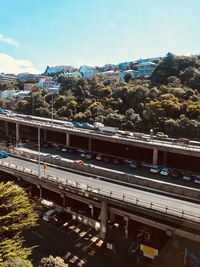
79, 161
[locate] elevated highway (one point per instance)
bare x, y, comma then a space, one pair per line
161, 152
132, 202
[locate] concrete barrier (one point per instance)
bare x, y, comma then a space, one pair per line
187, 192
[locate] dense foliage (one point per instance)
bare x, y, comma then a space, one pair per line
52, 262
16, 215
169, 101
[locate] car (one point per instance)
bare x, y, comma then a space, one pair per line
40, 210
55, 156
197, 179
181, 141
83, 154
79, 161
68, 124
106, 159
48, 216
175, 174
187, 177
61, 218
99, 157
161, 135
87, 125
77, 124
3, 154
133, 164
155, 169
165, 171
116, 161
88, 156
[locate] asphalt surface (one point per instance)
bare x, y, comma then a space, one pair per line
160, 202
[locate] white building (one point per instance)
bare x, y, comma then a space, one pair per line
7, 94
111, 75
87, 71
7, 78
145, 69
26, 76
151, 59
72, 74
57, 69
133, 73
21, 94
46, 82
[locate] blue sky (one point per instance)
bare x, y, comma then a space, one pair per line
37, 33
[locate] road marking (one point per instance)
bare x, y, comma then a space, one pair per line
42, 237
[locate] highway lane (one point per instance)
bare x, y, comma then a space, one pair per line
156, 199
154, 141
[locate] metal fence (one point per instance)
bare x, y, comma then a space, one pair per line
63, 183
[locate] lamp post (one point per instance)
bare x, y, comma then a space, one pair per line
39, 151
52, 109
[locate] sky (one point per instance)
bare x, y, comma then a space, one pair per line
39, 33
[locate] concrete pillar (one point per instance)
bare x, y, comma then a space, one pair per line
17, 132
40, 191
103, 220
112, 217
91, 209
45, 135
155, 156
63, 197
6, 128
126, 219
165, 158
90, 144
67, 140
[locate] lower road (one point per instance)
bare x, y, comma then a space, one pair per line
159, 202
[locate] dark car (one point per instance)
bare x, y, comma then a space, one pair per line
175, 174
61, 218
181, 141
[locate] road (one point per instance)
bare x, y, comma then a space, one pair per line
159, 201
194, 146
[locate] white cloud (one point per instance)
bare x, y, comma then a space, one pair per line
8, 40
9, 64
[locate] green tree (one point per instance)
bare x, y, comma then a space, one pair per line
16, 262
52, 262
16, 215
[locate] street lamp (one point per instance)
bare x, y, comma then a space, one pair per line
39, 151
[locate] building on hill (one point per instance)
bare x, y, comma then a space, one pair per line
87, 71
124, 65
72, 74
58, 69
8, 78
25, 76
152, 59
46, 82
7, 94
145, 69
133, 73
111, 75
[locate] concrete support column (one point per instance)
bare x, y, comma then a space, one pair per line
103, 220
45, 135
67, 140
112, 217
40, 191
17, 132
126, 219
155, 156
63, 197
6, 128
90, 144
165, 158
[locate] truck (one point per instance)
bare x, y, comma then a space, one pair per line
107, 129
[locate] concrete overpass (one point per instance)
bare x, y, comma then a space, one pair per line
159, 152
172, 215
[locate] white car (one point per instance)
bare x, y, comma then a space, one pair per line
48, 216
69, 124
155, 169
165, 171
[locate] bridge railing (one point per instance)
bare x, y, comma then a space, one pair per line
63, 183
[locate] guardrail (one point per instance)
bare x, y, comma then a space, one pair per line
154, 140
96, 191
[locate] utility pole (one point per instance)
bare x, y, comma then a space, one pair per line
39, 151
